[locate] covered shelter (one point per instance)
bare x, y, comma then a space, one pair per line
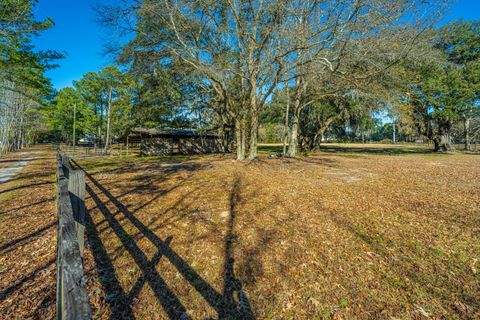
156, 141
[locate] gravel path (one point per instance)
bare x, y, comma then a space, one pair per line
6, 173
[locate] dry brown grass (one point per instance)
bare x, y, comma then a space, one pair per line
358, 232
334, 235
27, 238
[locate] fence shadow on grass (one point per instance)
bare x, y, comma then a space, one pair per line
25, 186
224, 303
16, 209
4, 249
5, 293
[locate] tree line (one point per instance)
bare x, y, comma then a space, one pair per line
299, 70
24, 89
311, 67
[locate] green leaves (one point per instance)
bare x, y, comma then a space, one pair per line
91, 96
61, 114
24, 88
460, 40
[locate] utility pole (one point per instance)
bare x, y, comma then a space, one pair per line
74, 123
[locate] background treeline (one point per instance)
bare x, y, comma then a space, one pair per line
24, 89
297, 72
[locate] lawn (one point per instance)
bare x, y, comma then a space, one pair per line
346, 233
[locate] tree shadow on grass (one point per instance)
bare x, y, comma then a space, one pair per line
358, 149
171, 304
404, 265
8, 246
378, 149
26, 206
270, 148
322, 161
25, 186
225, 303
29, 159
31, 176
5, 293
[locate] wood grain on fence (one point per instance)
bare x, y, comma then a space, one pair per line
72, 298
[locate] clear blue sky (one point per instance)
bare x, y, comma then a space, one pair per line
77, 33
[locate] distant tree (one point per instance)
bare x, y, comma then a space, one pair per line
443, 89
460, 41
61, 115
90, 89
109, 95
115, 86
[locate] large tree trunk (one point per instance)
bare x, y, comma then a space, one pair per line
244, 139
442, 143
466, 124
225, 129
240, 138
252, 146
285, 136
441, 140
394, 139
109, 113
252, 152
316, 141
293, 146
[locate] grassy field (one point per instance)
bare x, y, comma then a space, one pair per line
352, 232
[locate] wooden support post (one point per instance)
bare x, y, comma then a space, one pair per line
76, 188
65, 160
72, 297
71, 280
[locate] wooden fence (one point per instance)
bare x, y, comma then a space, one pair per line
72, 298
116, 150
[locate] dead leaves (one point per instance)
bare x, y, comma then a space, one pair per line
324, 237
27, 228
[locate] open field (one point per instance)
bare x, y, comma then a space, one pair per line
336, 235
352, 232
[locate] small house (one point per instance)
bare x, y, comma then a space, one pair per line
175, 141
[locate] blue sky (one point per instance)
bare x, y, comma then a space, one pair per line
76, 33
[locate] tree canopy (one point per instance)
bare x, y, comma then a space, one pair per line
23, 85
298, 72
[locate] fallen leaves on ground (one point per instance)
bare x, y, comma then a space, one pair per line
354, 235
27, 238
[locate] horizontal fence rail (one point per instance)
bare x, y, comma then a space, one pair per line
72, 298
115, 150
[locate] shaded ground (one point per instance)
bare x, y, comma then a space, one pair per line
27, 237
373, 148
358, 235
369, 148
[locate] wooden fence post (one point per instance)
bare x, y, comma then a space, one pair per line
72, 297
76, 187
